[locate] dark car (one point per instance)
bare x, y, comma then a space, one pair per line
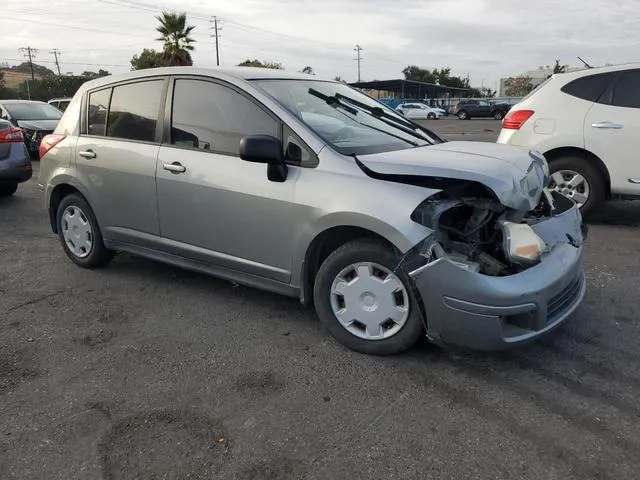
480, 108
36, 119
15, 164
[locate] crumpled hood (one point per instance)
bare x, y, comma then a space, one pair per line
516, 177
38, 124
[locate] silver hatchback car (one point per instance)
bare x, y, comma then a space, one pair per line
311, 189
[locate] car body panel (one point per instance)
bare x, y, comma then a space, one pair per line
15, 164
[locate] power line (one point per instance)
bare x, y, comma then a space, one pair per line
358, 49
55, 53
49, 24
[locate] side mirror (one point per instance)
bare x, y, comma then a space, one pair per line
265, 149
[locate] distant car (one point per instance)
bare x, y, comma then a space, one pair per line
36, 119
15, 164
60, 103
420, 111
480, 108
587, 125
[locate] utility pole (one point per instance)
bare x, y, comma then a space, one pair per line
358, 49
29, 53
56, 52
216, 34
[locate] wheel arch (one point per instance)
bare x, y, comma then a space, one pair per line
593, 159
58, 193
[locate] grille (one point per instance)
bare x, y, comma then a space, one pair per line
562, 300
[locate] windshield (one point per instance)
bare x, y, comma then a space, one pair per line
351, 122
33, 111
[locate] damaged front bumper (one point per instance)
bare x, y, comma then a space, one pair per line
482, 312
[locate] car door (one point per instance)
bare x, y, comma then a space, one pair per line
483, 109
116, 157
612, 132
213, 206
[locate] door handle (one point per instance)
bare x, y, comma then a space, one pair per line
174, 167
615, 126
87, 154
634, 180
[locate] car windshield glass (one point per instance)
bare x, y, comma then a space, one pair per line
351, 122
33, 111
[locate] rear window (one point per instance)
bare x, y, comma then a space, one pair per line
588, 88
626, 92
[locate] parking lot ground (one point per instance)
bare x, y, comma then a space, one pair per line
140, 370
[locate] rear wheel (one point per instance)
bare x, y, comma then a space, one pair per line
8, 189
431, 116
80, 234
579, 180
364, 302
463, 115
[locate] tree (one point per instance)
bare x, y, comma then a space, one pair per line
261, 64
487, 92
38, 70
148, 58
518, 86
98, 74
557, 68
308, 70
176, 37
338, 78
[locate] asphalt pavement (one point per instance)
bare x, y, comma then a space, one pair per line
143, 371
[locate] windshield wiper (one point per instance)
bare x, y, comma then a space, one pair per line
334, 101
377, 112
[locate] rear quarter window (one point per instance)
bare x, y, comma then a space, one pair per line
588, 88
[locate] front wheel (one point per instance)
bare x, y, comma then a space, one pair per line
431, 116
576, 178
80, 234
498, 115
364, 302
463, 115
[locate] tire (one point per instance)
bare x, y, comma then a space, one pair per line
8, 189
97, 255
431, 116
358, 252
498, 115
463, 115
593, 177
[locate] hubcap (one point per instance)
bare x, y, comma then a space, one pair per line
76, 231
571, 184
369, 301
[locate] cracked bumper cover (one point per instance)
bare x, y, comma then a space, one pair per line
481, 312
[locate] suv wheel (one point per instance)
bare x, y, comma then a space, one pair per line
463, 115
8, 189
364, 302
577, 179
498, 115
79, 233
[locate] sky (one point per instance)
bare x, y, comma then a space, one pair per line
485, 39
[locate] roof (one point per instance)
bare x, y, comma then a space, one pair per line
407, 88
244, 73
10, 102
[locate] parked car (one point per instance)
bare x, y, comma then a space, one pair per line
587, 124
36, 119
60, 103
480, 108
391, 232
419, 111
15, 164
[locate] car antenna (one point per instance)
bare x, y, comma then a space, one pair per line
585, 63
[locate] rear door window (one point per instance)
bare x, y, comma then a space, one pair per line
626, 92
588, 88
97, 114
134, 110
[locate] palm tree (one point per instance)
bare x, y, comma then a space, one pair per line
175, 35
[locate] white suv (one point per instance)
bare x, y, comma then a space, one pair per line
587, 125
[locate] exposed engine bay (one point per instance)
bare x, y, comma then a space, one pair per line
477, 233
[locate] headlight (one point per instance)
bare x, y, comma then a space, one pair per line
521, 244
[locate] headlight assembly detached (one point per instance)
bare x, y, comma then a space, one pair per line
521, 244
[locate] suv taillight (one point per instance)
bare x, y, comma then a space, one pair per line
11, 135
516, 118
48, 142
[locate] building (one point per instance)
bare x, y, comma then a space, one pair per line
537, 76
